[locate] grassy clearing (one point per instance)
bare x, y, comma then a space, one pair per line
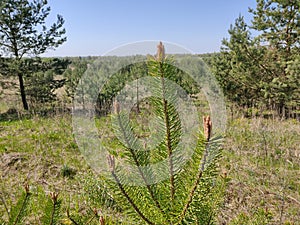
42, 153
261, 162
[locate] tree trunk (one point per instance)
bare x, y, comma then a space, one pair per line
22, 90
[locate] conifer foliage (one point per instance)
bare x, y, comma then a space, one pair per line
254, 67
191, 192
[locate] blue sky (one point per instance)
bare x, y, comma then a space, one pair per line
96, 26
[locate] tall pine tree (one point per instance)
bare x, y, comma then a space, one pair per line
23, 33
278, 22
256, 71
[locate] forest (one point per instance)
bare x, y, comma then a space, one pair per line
208, 138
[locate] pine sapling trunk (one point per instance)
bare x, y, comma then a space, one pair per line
22, 90
160, 57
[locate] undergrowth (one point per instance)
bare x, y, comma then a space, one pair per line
260, 163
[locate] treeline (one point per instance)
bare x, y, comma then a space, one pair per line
112, 84
51, 83
257, 67
262, 71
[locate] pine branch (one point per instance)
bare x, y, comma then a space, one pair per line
70, 218
52, 210
207, 125
194, 188
190, 197
258, 61
4, 204
168, 133
136, 161
55, 208
21, 207
129, 199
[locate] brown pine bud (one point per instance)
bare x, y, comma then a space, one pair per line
26, 187
95, 212
207, 126
102, 220
160, 55
54, 196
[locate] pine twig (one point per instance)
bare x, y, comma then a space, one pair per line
160, 59
27, 194
207, 126
54, 197
93, 217
70, 218
132, 152
168, 134
4, 204
126, 194
190, 198
194, 188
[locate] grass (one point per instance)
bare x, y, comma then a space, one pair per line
262, 160
3, 107
40, 152
261, 163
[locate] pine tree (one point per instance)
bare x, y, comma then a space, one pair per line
189, 194
253, 70
23, 33
278, 22
236, 68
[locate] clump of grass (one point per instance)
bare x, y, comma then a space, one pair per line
68, 172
